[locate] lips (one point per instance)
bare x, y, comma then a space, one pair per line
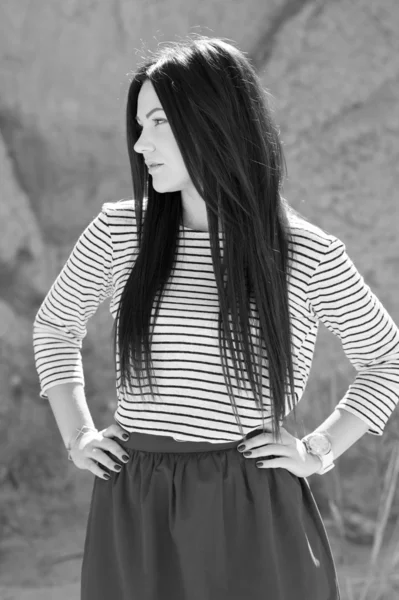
154, 169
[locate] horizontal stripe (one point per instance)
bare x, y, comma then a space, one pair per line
191, 401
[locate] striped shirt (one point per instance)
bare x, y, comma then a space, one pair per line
193, 402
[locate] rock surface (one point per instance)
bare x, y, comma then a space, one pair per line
333, 74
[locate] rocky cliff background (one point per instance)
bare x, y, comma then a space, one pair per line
332, 68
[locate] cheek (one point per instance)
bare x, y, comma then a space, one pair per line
177, 166
171, 149
173, 158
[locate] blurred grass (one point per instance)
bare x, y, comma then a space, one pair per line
34, 476
381, 578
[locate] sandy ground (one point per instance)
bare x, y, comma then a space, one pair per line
47, 566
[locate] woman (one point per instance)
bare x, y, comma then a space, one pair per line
208, 248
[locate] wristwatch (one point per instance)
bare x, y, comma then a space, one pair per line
319, 444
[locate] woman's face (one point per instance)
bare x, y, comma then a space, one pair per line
157, 144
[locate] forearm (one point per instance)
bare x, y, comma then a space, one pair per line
68, 403
344, 429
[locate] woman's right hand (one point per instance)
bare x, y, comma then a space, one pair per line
90, 450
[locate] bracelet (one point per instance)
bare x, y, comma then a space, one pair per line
77, 436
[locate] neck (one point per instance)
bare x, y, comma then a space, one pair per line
194, 212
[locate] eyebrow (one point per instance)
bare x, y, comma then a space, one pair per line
150, 113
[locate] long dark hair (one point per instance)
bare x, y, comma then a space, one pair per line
219, 115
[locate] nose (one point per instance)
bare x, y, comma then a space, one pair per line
143, 144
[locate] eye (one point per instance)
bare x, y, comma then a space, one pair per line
139, 127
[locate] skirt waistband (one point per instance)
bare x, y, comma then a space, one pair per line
160, 443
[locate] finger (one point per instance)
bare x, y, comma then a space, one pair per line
103, 459
265, 438
269, 464
258, 442
115, 430
110, 444
268, 450
109, 450
97, 469
279, 462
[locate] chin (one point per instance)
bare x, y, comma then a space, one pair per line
164, 188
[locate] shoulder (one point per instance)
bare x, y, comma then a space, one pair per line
305, 232
121, 213
120, 209
310, 242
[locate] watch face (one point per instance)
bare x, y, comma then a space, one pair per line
319, 443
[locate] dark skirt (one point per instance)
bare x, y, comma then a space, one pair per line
199, 521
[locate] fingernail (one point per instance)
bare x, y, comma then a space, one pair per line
125, 457
241, 448
125, 436
247, 453
106, 476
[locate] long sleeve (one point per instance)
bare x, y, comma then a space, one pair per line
60, 324
339, 297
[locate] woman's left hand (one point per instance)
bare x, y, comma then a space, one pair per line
289, 451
